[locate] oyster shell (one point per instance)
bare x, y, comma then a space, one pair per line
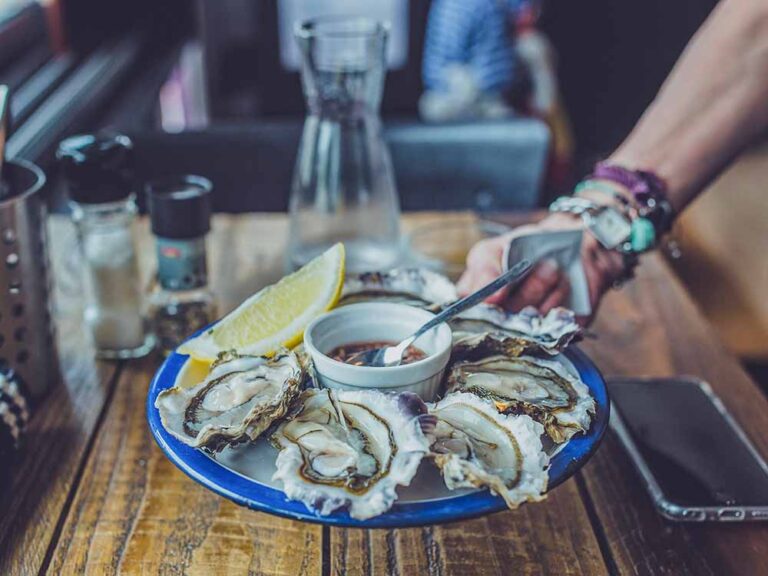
414, 286
308, 368
544, 389
486, 330
476, 446
352, 452
239, 399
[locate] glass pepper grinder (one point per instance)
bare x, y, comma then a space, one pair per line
99, 176
181, 303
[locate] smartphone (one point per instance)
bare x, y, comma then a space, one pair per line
695, 460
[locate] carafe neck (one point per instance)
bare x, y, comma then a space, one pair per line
340, 95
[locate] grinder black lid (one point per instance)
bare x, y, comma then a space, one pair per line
180, 207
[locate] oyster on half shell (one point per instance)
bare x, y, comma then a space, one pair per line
413, 286
353, 451
476, 446
239, 399
486, 330
544, 389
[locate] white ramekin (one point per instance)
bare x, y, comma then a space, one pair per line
378, 321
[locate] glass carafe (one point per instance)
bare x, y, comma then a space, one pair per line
343, 184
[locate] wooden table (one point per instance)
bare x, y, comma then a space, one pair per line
93, 494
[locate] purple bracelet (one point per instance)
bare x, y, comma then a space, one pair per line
648, 190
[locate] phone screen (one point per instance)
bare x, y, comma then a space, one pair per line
696, 455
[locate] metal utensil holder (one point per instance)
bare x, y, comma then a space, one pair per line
27, 343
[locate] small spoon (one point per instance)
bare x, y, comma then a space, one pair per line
393, 355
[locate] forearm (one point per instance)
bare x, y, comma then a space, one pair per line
714, 103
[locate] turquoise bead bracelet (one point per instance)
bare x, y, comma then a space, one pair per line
642, 235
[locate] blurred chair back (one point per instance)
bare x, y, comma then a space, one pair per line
250, 168
479, 165
484, 166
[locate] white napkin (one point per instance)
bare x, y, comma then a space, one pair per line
562, 246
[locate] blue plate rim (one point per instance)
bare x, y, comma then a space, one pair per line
256, 496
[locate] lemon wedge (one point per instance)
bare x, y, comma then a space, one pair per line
277, 315
192, 373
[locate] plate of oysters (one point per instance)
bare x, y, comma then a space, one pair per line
488, 412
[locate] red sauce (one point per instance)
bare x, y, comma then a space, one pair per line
344, 352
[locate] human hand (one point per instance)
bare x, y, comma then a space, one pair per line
547, 286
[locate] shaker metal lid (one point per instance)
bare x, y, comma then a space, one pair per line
98, 169
180, 206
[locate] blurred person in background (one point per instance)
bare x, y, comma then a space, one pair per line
712, 106
470, 68
485, 59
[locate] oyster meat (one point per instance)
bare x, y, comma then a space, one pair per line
350, 448
542, 388
414, 286
486, 330
476, 446
239, 399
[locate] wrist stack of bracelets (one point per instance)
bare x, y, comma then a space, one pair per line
632, 223
642, 218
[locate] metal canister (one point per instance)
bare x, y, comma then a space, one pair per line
27, 342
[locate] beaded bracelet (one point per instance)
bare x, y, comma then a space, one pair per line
647, 189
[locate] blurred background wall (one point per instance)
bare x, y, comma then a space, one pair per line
612, 58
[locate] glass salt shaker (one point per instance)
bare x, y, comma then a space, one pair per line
181, 303
98, 172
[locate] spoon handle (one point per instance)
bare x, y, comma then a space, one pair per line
514, 274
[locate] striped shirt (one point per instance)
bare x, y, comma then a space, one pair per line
473, 33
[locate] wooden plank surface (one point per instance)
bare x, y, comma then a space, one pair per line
61, 429
552, 537
132, 512
136, 513
651, 327
126, 513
